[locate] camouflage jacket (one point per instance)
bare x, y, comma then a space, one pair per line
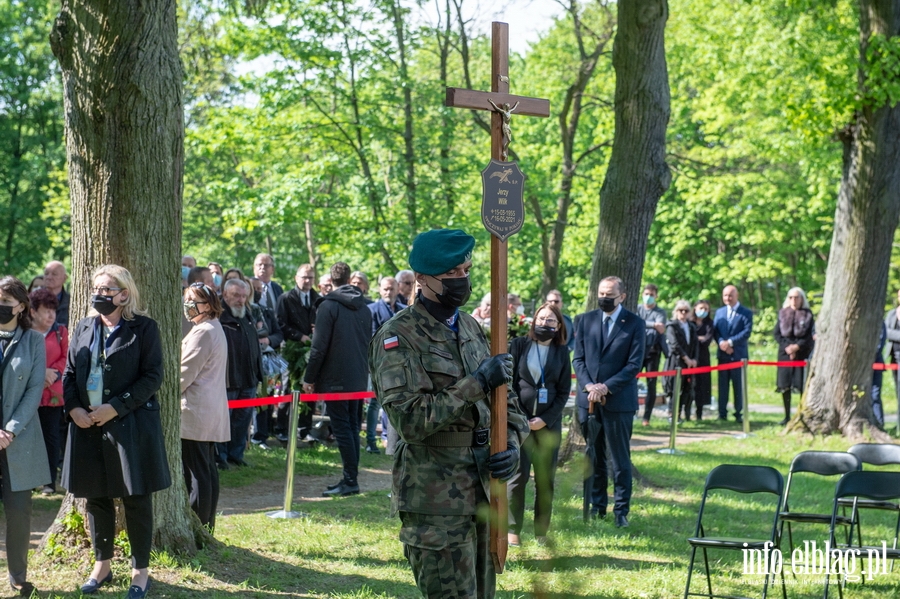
422, 373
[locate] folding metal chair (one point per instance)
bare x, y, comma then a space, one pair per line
739, 479
875, 454
821, 463
868, 485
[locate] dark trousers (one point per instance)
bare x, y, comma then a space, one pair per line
450, 556
733, 377
50, 417
345, 426
541, 450
263, 418
201, 476
372, 421
877, 407
304, 418
651, 364
17, 506
138, 522
613, 441
240, 426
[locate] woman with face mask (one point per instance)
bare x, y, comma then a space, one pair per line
542, 379
204, 402
23, 458
681, 337
115, 446
704, 325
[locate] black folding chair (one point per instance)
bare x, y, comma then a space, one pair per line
821, 463
874, 454
856, 487
739, 479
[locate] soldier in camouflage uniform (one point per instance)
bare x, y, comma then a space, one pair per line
433, 371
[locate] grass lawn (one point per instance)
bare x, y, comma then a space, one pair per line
348, 547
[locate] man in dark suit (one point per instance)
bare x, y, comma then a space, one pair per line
296, 314
609, 353
731, 329
264, 269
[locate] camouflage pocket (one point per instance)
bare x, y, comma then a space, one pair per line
393, 374
423, 536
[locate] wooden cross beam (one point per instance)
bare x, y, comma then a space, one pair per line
498, 97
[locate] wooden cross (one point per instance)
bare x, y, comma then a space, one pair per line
477, 100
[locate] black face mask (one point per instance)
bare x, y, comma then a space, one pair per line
103, 304
542, 333
454, 292
607, 304
6, 314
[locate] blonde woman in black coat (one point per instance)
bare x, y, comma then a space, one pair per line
115, 444
542, 379
681, 337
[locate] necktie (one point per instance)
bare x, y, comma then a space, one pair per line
607, 327
730, 314
306, 300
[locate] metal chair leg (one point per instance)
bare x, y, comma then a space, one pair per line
708, 579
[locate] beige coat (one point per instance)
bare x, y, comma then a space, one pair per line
204, 404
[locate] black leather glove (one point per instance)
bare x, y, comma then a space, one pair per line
494, 371
505, 464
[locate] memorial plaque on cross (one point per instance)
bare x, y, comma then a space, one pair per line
502, 212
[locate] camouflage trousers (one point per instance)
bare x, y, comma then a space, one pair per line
449, 555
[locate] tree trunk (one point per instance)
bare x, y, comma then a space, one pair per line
638, 174
838, 394
122, 85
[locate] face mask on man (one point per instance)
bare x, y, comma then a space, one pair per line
607, 304
454, 292
649, 300
185, 271
520, 310
217, 279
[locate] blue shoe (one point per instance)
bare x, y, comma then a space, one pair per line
136, 592
93, 585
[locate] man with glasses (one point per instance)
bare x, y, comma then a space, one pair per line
609, 353
406, 282
554, 297
264, 269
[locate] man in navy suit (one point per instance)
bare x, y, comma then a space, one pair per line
609, 353
731, 328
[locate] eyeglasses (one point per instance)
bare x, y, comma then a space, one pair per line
106, 290
682, 310
550, 301
201, 285
546, 321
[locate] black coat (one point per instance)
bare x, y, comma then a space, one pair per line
338, 359
680, 347
294, 318
557, 380
245, 367
127, 455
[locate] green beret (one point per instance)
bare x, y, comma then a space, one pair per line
439, 250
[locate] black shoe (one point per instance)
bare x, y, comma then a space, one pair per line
342, 490
93, 585
739, 420
597, 514
239, 462
136, 592
282, 438
372, 449
223, 466
724, 418
784, 422
25, 589
621, 521
335, 485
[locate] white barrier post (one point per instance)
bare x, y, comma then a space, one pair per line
676, 414
291, 452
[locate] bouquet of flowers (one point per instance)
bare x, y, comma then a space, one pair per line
518, 326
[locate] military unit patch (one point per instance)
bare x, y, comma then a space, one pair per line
391, 342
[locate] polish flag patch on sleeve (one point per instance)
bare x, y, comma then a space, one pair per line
391, 342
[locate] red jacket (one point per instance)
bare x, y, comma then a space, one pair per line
56, 342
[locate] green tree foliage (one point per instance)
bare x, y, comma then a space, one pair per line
758, 91
33, 205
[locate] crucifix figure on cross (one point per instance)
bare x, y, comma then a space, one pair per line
502, 213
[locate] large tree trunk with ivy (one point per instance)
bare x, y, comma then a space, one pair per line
638, 174
838, 394
122, 84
